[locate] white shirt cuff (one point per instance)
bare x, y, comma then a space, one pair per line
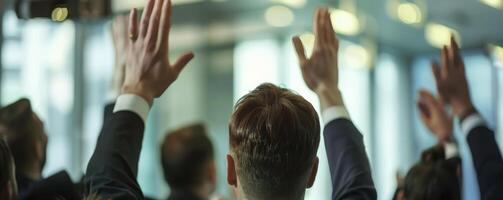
471, 122
333, 113
132, 103
451, 150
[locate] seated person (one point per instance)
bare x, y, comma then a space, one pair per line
286, 149
438, 174
433, 177
112, 170
8, 185
188, 163
348, 162
24, 133
452, 87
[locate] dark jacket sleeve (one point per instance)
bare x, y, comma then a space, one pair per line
112, 170
487, 161
57, 186
348, 162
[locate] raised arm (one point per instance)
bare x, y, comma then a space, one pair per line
113, 168
348, 162
438, 121
452, 86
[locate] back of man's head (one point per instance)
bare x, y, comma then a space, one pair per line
7, 179
274, 137
433, 178
23, 132
187, 157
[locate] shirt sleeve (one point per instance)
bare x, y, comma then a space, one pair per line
132, 103
334, 113
471, 122
451, 150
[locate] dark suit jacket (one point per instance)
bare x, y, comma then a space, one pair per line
57, 186
348, 162
488, 162
112, 170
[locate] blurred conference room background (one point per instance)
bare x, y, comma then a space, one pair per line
65, 66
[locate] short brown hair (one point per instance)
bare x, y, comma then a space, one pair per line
184, 154
19, 128
6, 164
274, 135
433, 177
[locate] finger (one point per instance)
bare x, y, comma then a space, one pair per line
329, 31
165, 26
183, 61
332, 34
133, 25
445, 64
458, 61
145, 19
153, 27
428, 98
423, 111
299, 48
436, 72
316, 29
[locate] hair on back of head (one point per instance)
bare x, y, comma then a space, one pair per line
6, 164
185, 153
18, 128
274, 136
433, 178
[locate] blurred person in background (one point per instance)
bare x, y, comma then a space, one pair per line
188, 163
452, 87
8, 185
113, 168
438, 174
25, 135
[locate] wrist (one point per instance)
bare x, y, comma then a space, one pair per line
329, 96
137, 90
463, 109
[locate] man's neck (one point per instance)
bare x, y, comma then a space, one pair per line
32, 173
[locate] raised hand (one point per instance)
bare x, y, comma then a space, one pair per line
320, 71
149, 71
451, 80
434, 116
120, 36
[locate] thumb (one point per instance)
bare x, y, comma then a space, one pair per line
183, 61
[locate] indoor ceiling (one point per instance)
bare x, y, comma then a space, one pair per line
477, 23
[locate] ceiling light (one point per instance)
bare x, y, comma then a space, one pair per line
356, 56
345, 22
59, 14
292, 3
497, 53
439, 35
279, 16
498, 4
409, 13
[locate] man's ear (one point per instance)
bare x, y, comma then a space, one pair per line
314, 171
231, 171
